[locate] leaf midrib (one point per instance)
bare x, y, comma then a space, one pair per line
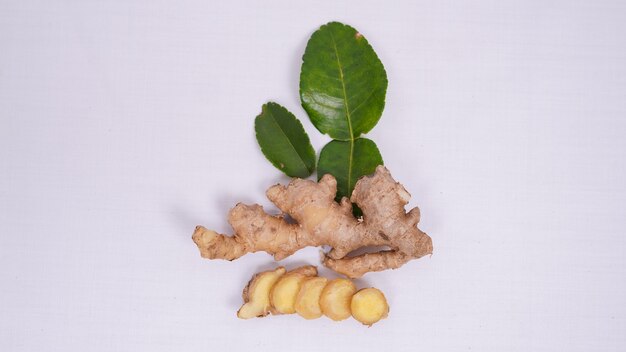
300, 159
347, 108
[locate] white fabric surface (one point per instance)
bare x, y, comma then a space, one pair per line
123, 124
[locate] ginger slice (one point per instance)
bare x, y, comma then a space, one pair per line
257, 294
283, 294
369, 305
308, 298
336, 299
306, 270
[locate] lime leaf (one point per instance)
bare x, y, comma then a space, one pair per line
283, 141
342, 82
347, 161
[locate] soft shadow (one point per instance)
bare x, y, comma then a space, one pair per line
430, 219
184, 220
277, 178
235, 301
265, 183
362, 282
366, 250
187, 219
296, 64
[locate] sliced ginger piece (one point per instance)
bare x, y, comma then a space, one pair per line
336, 298
369, 305
308, 298
283, 294
306, 270
257, 294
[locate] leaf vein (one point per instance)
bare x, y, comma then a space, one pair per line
348, 116
300, 159
364, 100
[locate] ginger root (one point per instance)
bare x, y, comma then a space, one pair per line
369, 305
256, 295
283, 294
322, 221
336, 298
302, 291
308, 299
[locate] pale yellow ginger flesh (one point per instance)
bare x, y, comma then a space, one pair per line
256, 295
336, 298
283, 294
320, 220
308, 298
369, 306
303, 292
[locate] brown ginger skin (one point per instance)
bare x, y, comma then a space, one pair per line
322, 221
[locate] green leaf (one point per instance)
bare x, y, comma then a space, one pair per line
342, 82
348, 161
284, 142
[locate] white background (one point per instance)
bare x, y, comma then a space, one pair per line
123, 124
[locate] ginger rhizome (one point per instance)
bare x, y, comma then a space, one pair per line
369, 305
336, 298
320, 220
302, 291
256, 295
308, 297
283, 294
